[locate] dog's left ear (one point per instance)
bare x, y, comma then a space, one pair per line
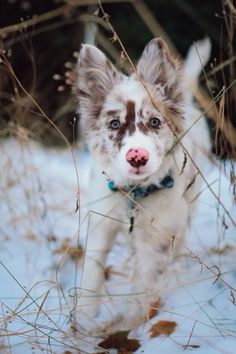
157, 66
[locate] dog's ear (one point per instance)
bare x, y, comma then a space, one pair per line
96, 77
158, 67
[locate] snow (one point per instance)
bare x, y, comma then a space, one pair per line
39, 279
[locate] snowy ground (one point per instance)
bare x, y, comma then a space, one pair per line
39, 272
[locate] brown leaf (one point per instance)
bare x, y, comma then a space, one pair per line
107, 272
162, 327
120, 342
193, 346
51, 238
154, 309
75, 252
31, 236
222, 250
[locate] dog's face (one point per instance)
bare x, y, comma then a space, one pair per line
130, 122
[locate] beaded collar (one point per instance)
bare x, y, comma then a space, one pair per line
140, 192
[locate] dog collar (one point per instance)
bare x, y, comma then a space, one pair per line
140, 192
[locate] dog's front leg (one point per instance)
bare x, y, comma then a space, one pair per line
100, 238
148, 264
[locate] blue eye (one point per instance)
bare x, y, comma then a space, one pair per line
115, 124
155, 122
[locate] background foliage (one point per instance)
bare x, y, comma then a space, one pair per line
42, 54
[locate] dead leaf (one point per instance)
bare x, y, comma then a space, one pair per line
31, 236
107, 272
222, 250
120, 342
162, 327
51, 238
154, 309
75, 252
193, 346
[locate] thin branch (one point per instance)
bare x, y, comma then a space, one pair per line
35, 20
49, 15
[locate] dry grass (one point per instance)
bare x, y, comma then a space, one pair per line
42, 324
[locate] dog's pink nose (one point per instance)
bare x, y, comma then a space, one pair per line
137, 157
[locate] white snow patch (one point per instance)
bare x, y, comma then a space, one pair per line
38, 279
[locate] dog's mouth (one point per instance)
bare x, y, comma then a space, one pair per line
139, 172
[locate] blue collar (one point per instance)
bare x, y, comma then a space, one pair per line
140, 191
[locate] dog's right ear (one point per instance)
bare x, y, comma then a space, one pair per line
96, 76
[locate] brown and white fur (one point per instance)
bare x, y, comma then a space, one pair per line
160, 88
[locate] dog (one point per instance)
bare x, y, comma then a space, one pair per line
148, 144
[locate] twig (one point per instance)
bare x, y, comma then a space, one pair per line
186, 346
216, 274
221, 66
6, 330
109, 48
35, 20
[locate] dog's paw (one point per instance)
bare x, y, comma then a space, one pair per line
101, 326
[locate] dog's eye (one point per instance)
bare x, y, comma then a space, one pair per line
115, 124
155, 122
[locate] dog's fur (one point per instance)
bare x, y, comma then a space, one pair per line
160, 88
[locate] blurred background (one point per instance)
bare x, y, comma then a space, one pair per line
40, 41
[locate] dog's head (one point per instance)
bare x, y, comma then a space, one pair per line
130, 122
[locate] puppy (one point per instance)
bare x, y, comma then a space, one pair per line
148, 142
